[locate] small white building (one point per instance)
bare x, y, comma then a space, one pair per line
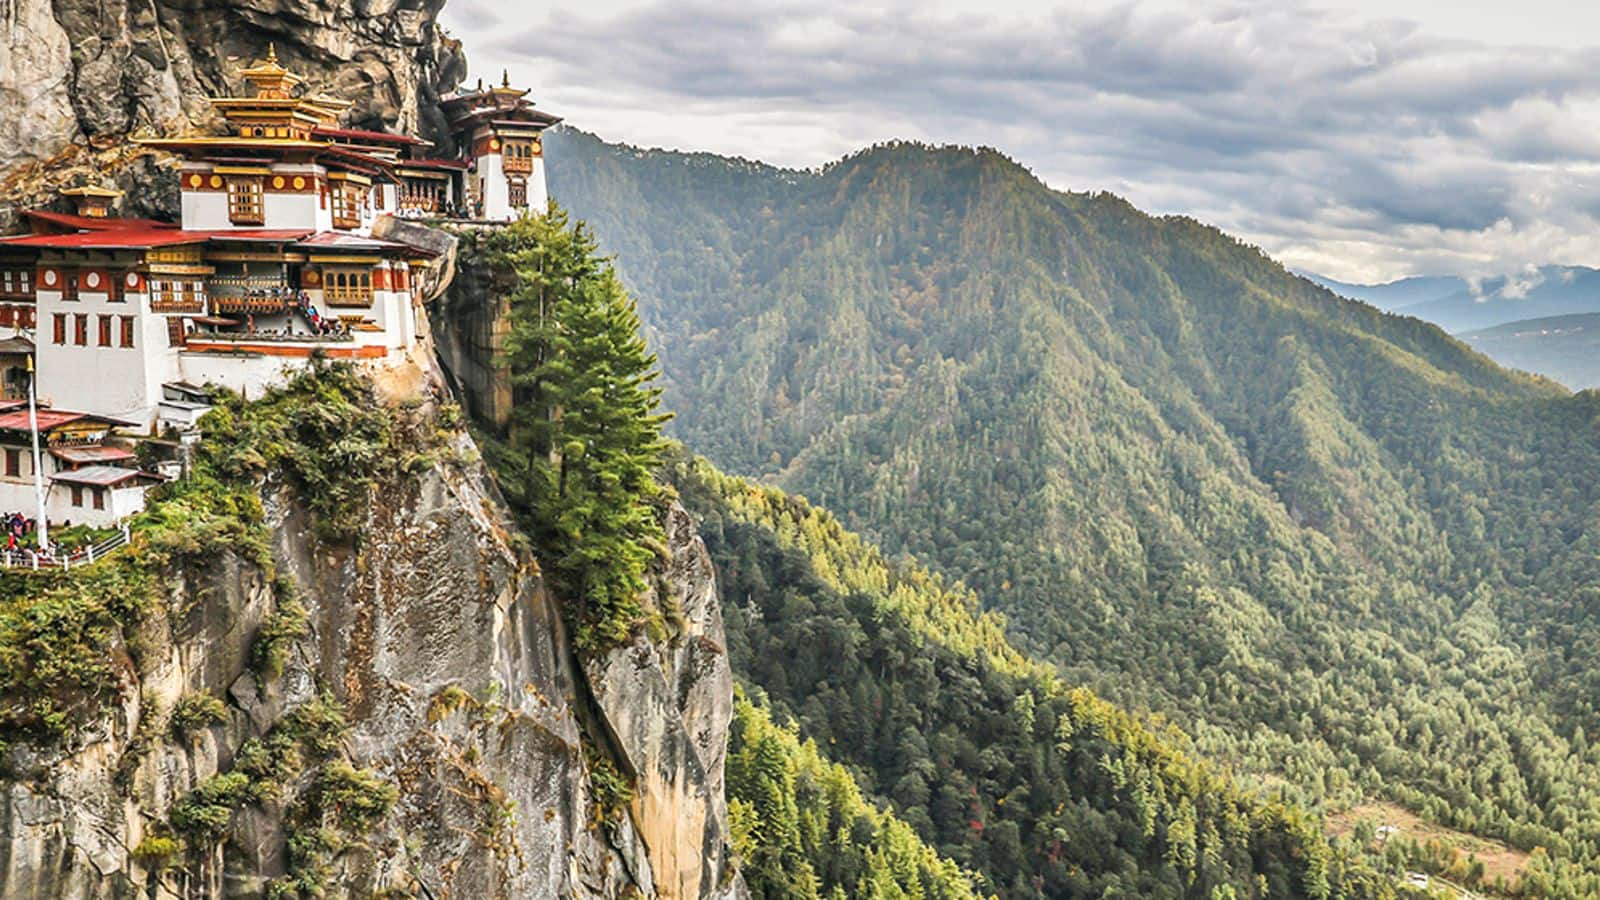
87, 480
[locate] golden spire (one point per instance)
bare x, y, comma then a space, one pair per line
505, 78
272, 81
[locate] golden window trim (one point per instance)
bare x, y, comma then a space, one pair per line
246, 195
347, 286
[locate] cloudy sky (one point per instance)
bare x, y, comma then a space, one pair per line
1364, 139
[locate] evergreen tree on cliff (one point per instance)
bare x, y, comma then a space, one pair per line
585, 431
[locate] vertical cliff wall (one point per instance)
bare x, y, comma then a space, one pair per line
434, 633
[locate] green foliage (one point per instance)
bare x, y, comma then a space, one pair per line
61, 635
203, 816
1044, 790
357, 798
64, 635
609, 789
802, 828
286, 624
1347, 554
196, 711
156, 851
325, 434
585, 435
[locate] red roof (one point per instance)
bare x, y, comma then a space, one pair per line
138, 237
18, 420
357, 134
110, 239
341, 241
102, 476
432, 164
90, 223
95, 453
254, 234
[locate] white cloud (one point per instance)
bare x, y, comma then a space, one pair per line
1349, 143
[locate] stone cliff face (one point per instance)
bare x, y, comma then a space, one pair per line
435, 634
76, 76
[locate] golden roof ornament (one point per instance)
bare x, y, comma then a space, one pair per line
271, 80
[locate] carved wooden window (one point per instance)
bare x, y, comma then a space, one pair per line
99, 497
175, 336
13, 463
105, 331
518, 193
347, 200
60, 331
518, 157
69, 285
17, 283
347, 287
80, 329
77, 495
245, 201
127, 330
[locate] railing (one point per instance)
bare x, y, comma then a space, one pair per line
264, 337
261, 305
77, 559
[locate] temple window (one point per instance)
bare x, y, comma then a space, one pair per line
60, 331
347, 199
17, 283
244, 201
13, 463
347, 287
80, 329
518, 157
127, 330
105, 331
69, 287
175, 336
518, 193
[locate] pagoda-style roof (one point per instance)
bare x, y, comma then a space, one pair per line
370, 137
90, 190
269, 78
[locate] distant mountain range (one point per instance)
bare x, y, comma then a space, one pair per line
1546, 321
1566, 348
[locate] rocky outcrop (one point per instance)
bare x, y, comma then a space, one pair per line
76, 76
435, 633
469, 322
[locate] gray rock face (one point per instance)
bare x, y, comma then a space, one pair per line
76, 76
449, 656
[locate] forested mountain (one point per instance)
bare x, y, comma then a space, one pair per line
1566, 348
1042, 790
1352, 557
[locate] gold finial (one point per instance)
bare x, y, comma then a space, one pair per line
505, 78
272, 51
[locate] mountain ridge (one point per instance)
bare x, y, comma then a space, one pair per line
1191, 479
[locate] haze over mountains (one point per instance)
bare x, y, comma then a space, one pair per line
1528, 314
1349, 555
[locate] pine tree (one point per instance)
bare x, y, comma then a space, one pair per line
585, 432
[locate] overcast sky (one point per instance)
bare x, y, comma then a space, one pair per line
1362, 139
